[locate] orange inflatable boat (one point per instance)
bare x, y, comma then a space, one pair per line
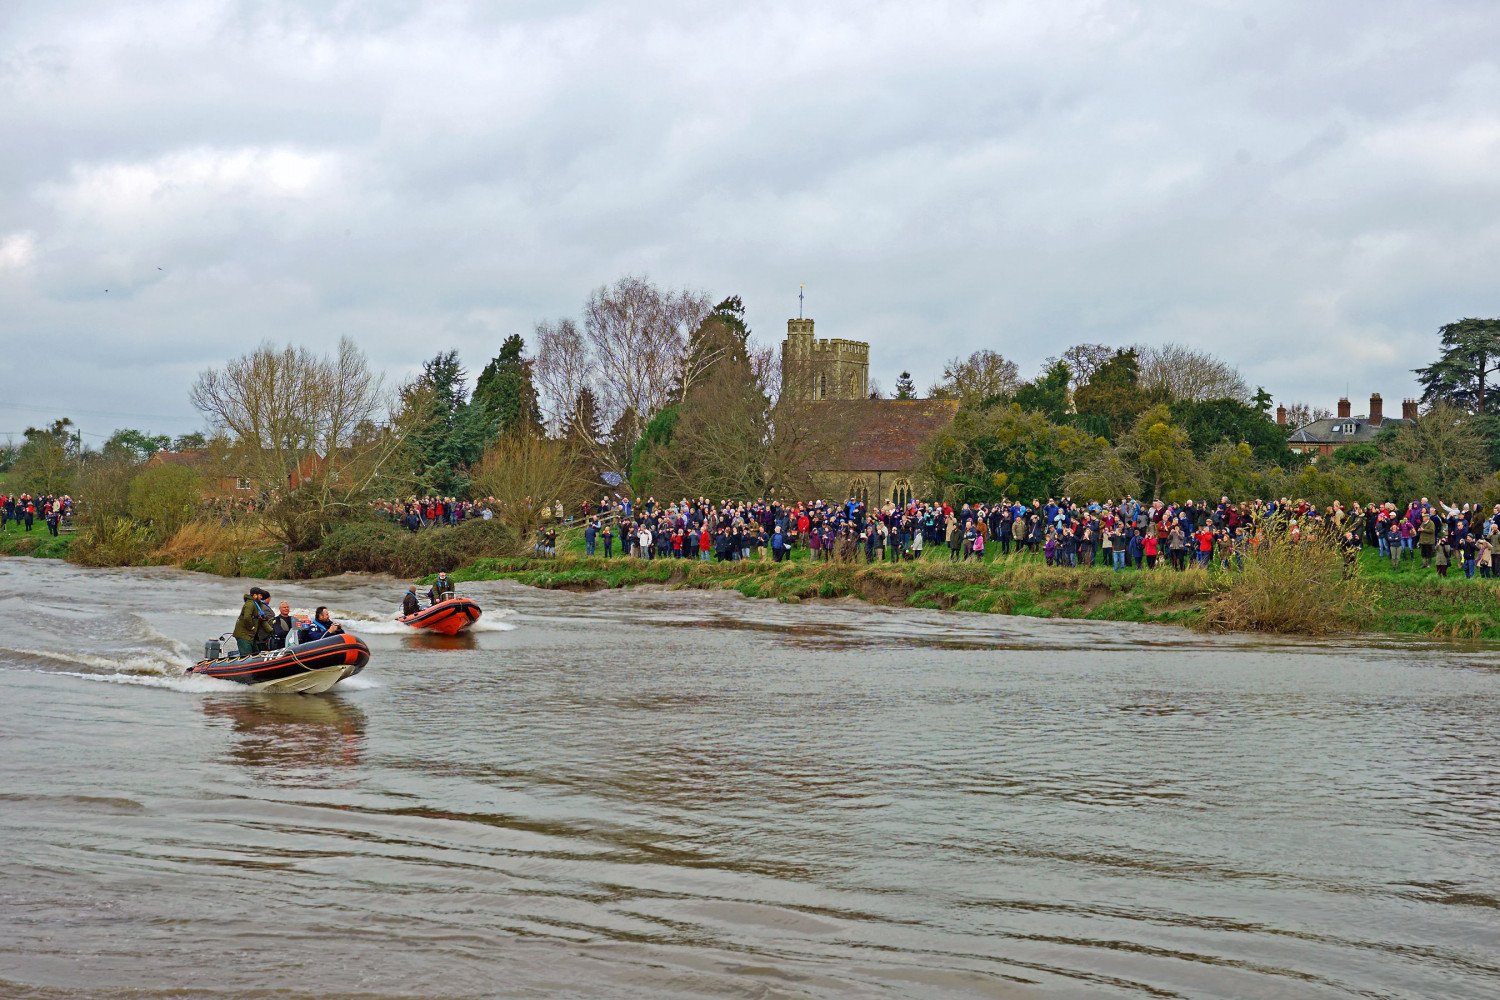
448, 617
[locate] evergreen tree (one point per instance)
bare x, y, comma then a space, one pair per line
443, 442
1048, 393
722, 338
905, 387
505, 398
622, 438
1461, 374
1112, 393
581, 427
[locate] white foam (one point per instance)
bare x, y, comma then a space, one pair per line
189, 683
359, 683
487, 625
374, 627
133, 664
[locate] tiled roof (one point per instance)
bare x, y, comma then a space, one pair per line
1353, 430
884, 435
190, 456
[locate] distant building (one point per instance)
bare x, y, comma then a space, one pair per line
1321, 437
874, 449
220, 479
876, 453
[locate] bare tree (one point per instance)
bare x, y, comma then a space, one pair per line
304, 432
524, 476
1302, 414
1173, 372
1445, 444
1082, 361
980, 376
562, 368
638, 336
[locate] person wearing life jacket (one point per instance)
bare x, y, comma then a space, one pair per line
282, 626
441, 589
253, 627
321, 626
410, 605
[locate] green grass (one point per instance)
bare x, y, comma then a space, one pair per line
1004, 586
1408, 600
16, 541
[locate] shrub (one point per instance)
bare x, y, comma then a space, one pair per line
1291, 586
215, 546
165, 497
111, 541
381, 547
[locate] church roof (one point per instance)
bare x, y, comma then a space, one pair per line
884, 435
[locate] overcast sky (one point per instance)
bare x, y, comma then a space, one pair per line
1308, 190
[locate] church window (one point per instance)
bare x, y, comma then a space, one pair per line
859, 490
901, 492
820, 386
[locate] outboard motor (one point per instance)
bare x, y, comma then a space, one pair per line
213, 649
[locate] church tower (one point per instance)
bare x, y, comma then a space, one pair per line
813, 369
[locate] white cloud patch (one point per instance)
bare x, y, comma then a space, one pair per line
17, 250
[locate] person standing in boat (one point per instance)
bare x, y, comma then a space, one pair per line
410, 605
441, 589
253, 627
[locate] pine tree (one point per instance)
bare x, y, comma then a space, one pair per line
905, 387
443, 442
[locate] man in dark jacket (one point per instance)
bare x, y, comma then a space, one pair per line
441, 589
253, 626
282, 626
409, 604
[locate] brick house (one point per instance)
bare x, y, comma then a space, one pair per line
1321, 437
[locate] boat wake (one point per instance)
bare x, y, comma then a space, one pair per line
189, 684
125, 663
364, 622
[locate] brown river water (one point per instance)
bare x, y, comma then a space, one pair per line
664, 794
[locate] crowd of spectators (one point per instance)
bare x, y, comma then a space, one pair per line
416, 513
24, 511
1123, 534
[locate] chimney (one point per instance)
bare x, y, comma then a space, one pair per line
1281, 415
1408, 409
1377, 416
1343, 409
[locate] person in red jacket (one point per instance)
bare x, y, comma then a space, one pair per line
1205, 537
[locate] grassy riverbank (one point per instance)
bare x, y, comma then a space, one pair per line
37, 543
1407, 601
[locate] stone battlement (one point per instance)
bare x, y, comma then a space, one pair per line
853, 348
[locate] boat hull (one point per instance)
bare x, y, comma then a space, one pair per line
309, 668
448, 617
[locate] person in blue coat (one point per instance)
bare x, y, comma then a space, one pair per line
321, 626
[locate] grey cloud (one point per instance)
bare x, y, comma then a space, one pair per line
1305, 190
